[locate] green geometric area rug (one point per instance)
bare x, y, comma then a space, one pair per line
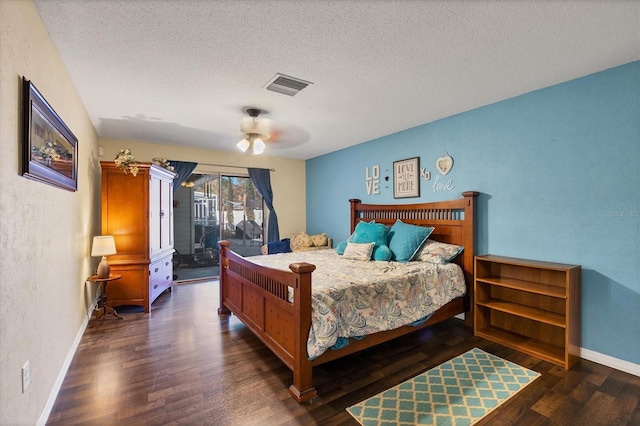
460, 391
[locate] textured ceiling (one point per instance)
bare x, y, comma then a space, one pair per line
181, 72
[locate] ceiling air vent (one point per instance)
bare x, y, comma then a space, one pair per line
286, 85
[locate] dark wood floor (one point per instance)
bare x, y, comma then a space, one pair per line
182, 365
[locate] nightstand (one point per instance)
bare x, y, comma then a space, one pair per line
102, 308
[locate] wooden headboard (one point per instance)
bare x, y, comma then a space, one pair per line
453, 220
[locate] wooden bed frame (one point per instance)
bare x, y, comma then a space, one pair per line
258, 296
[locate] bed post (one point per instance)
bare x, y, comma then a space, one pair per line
470, 249
354, 213
302, 388
224, 265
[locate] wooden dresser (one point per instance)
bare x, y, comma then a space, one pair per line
138, 212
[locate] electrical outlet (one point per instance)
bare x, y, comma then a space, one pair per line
26, 376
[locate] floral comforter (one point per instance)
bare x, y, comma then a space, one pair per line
352, 298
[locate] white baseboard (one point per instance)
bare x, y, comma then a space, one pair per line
46, 411
606, 360
609, 361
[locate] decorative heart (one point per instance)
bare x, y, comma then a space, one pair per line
444, 164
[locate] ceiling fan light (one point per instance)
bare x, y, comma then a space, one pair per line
248, 125
258, 146
255, 127
244, 145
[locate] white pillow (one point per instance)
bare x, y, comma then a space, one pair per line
437, 252
358, 251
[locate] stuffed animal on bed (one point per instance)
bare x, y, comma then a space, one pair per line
369, 232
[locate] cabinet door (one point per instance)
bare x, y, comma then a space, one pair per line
132, 288
155, 245
166, 215
124, 214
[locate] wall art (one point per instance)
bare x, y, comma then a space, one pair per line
49, 149
372, 179
444, 164
406, 178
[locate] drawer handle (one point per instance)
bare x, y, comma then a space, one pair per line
155, 286
167, 277
156, 270
167, 263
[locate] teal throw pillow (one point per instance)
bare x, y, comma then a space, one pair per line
406, 240
341, 247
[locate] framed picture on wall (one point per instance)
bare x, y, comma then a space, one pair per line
406, 178
49, 149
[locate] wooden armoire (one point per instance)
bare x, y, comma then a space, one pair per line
138, 212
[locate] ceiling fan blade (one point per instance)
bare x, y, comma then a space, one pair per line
274, 134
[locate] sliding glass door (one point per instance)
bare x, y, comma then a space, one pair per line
208, 208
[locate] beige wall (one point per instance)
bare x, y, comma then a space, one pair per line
288, 180
45, 232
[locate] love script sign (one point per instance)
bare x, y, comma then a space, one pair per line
406, 178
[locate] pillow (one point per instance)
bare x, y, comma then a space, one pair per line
437, 252
281, 246
319, 240
358, 251
300, 240
406, 240
340, 247
371, 232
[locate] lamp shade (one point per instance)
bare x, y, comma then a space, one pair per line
103, 245
258, 146
243, 145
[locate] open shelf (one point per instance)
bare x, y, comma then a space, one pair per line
528, 286
537, 348
535, 314
530, 306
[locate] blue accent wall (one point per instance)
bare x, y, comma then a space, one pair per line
559, 174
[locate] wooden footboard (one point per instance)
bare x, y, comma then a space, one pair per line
258, 295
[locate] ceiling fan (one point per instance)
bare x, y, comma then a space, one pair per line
255, 131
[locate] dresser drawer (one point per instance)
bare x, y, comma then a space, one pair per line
160, 277
161, 269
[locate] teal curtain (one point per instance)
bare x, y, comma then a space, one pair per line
261, 179
183, 170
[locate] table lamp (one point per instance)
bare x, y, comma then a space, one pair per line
103, 245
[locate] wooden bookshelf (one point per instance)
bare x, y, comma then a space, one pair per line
530, 306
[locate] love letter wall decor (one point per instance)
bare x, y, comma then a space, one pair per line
406, 178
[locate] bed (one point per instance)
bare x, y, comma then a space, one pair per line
276, 304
